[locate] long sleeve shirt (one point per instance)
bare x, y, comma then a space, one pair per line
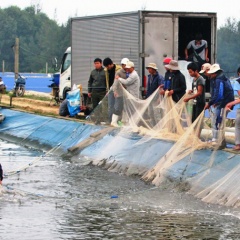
222, 91
97, 81
154, 81
132, 83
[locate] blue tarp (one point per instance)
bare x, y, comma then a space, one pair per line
122, 152
46, 131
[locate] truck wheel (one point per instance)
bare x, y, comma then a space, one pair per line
65, 93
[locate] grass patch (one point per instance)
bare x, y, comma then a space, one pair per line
31, 96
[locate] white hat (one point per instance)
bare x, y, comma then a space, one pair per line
129, 64
173, 65
214, 68
152, 65
124, 61
205, 66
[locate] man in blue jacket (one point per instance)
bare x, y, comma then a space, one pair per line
154, 79
221, 94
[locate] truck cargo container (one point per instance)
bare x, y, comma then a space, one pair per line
141, 36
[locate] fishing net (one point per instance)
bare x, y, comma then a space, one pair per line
155, 139
186, 153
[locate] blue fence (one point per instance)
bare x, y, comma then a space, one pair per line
34, 81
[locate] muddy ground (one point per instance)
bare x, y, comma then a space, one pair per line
45, 107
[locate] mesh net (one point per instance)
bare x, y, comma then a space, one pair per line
190, 157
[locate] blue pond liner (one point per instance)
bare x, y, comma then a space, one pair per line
46, 131
125, 150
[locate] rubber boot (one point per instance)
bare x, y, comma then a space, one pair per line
114, 122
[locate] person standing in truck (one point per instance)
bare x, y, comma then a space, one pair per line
110, 71
199, 51
97, 89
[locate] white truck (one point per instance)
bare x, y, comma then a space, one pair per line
141, 36
65, 80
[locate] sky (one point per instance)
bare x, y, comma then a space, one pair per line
61, 10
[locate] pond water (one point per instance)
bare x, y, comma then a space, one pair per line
56, 198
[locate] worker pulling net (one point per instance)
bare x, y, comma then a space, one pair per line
190, 152
155, 117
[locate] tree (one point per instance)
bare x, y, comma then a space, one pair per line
40, 38
228, 38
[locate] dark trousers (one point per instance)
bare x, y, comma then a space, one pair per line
97, 97
197, 109
100, 106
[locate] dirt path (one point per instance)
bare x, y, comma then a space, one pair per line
31, 105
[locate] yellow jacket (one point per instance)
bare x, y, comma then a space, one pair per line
118, 67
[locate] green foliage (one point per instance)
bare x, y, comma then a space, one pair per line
228, 40
40, 39
30, 96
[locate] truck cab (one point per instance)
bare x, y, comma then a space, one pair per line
65, 74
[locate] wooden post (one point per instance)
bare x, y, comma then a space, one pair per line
46, 67
10, 101
16, 58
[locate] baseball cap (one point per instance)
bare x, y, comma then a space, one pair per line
167, 60
124, 61
129, 64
